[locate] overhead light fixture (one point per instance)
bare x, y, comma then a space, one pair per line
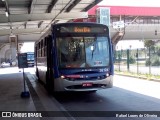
3, 0
6, 14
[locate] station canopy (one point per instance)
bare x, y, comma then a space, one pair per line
29, 19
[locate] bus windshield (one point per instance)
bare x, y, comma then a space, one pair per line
83, 52
30, 56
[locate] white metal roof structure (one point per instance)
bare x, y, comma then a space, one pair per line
28, 19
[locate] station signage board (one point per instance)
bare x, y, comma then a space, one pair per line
22, 60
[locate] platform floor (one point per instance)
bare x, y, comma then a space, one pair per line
11, 86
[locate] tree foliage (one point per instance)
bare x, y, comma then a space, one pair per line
158, 50
132, 60
149, 43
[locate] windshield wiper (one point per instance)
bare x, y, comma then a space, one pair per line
93, 47
93, 51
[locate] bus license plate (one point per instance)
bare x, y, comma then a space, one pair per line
87, 84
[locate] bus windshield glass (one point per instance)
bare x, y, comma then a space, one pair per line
30, 56
83, 52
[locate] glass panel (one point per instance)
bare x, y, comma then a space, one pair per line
80, 52
71, 51
97, 51
30, 57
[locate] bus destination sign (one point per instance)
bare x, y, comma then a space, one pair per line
82, 29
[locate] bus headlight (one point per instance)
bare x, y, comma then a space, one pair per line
107, 74
62, 76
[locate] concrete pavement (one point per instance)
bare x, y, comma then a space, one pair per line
11, 86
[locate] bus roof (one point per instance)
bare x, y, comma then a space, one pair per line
79, 23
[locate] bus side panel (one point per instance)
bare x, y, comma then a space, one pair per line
50, 71
55, 55
40, 60
35, 60
38, 63
111, 57
58, 82
42, 69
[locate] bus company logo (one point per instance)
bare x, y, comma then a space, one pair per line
6, 114
82, 29
21, 114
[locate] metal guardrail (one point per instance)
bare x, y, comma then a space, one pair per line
139, 19
140, 61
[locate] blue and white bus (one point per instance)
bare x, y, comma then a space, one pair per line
30, 59
75, 57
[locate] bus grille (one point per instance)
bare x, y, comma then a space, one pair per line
87, 78
88, 87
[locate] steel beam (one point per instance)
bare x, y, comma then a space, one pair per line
20, 31
31, 6
25, 25
50, 7
91, 5
22, 41
42, 17
72, 5
39, 24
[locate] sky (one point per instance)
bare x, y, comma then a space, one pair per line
129, 44
28, 47
145, 3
